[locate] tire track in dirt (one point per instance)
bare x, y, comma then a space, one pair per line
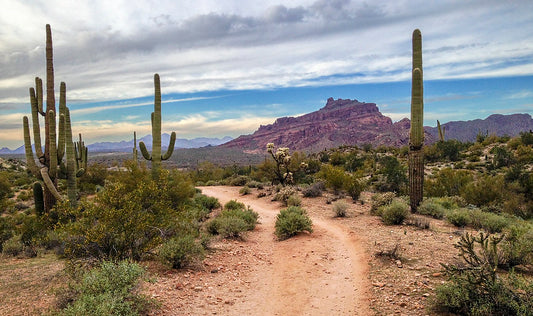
323, 273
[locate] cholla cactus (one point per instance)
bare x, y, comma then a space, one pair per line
282, 158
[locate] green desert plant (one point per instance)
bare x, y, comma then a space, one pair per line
292, 221
181, 251
395, 212
57, 141
339, 208
416, 134
156, 156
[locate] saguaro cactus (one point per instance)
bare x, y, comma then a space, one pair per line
416, 135
441, 131
156, 156
51, 164
135, 152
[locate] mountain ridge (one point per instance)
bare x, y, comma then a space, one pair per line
350, 122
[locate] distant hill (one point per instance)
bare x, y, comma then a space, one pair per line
497, 124
127, 146
350, 122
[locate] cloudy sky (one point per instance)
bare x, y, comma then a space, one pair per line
228, 66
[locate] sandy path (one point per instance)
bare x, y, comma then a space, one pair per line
324, 273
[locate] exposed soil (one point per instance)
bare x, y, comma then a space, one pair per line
347, 266
342, 268
323, 273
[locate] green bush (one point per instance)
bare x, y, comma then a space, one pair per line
518, 245
233, 221
227, 227
13, 246
395, 212
284, 194
181, 251
292, 221
379, 200
492, 223
245, 190
7, 230
447, 182
477, 288
340, 208
334, 177
294, 200
129, 218
109, 289
486, 190
207, 202
354, 187
314, 190
459, 217
234, 205
432, 208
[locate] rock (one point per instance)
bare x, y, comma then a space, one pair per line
436, 274
198, 288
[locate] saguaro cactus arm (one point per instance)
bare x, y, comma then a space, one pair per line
30, 161
170, 148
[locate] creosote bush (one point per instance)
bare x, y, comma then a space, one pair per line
245, 190
109, 289
181, 251
292, 221
233, 221
395, 212
339, 208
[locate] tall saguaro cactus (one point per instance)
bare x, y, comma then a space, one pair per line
416, 135
156, 156
51, 165
135, 152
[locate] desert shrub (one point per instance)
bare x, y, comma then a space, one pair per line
485, 190
245, 190
476, 288
227, 227
181, 251
13, 246
292, 221
418, 221
492, 223
233, 221
5, 185
238, 180
255, 184
391, 175
334, 177
314, 190
395, 212
284, 194
94, 177
109, 289
459, 217
234, 205
128, 220
379, 200
517, 246
447, 182
354, 186
432, 208
7, 230
294, 200
339, 208
207, 202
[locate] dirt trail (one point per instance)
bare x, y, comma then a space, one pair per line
324, 273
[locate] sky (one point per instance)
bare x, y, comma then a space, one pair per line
229, 66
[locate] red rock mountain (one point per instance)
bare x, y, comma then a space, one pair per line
340, 122
350, 122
